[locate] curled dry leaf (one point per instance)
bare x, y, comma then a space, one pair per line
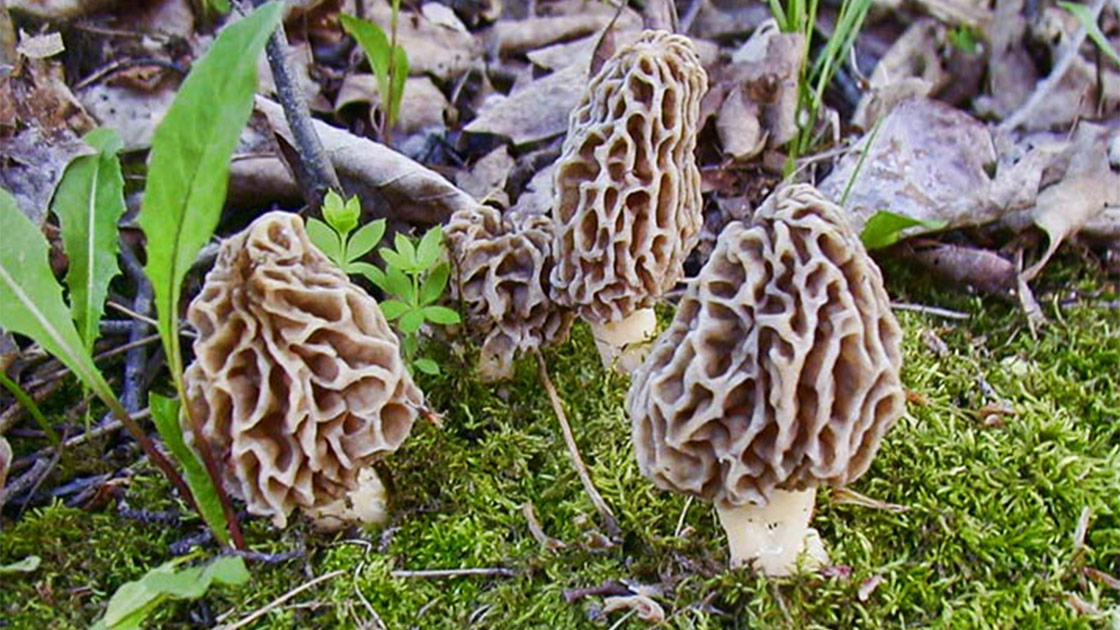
487, 175
537, 111
981, 269
758, 91
927, 162
513, 37
371, 170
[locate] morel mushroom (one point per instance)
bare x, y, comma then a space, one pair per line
297, 380
779, 373
502, 266
627, 190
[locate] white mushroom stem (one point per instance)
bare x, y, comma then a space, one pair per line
624, 343
772, 537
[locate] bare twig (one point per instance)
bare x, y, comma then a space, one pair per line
63, 371
546, 541
279, 601
929, 310
450, 573
134, 372
315, 173
1042, 90
96, 432
610, 523
125, 64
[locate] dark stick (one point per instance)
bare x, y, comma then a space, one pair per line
316, 173
137, 358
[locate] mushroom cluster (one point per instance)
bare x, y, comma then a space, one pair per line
627, 204
297, 380
502, 264
779, 373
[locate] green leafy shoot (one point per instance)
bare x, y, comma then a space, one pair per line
414, 278
964, 39
187, 176
29, 404
884, 228
864, 152
1085, 16
333, 238
88, 203
388, 61
135, 601
165, 415
31, 304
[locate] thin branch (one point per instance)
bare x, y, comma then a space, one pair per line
610, 523
316, 174
450, 573
1042, 90
929, 310
279, 601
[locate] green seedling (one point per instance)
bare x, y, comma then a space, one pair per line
333, 238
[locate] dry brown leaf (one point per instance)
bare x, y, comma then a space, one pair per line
422, 104
982, 269
33, 163
514, 37
133, 113
927, 162
728, 19
40, 46
487, 175
376, 173
910, 68
538, 111
57, 9
760, 106
5, 464
257, 180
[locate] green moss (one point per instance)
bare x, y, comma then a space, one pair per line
986, 540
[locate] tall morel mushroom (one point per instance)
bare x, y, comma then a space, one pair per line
627, 189
779, 373
501, 277
297, 378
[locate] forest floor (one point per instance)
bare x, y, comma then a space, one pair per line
994, 500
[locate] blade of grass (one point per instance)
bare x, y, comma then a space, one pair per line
29, 404
187, 179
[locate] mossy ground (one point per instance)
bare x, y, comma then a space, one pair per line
986, 541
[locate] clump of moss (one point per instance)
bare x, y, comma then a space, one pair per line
1009, 438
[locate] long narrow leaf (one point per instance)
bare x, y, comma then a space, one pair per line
371, 37
89, 202
31, 298
165, 415
190, 155
29, 404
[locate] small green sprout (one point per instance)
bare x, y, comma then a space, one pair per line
333, 238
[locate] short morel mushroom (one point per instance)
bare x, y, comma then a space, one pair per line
626, 202
501, 278
297, 380
779, 373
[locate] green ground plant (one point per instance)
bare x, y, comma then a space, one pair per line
388, 61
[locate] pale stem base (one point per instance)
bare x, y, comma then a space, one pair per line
367, 503
772, 538
624, 344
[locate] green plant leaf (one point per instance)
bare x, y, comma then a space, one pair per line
440, 315
365, 239
407, 251
365, 269
885, 228
393, 309
27, 565
165, 415
1085, 16
376, 46
400, 73
426, 366
394, 259
31, 407
343, 217
134, 601
430, 248
435, 283
189, 166
398, 284
411, 321
325, 239
88, 203
31, 298
374, 275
